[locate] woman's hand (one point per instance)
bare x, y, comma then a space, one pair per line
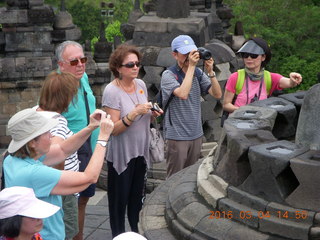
106, 126
142, 109
156, 110
295, 78
95, 118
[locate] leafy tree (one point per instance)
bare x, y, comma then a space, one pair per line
291, 28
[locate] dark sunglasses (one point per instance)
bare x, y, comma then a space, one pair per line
76, 61
131, 64
246, 55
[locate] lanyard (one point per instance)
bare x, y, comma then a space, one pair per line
247, 88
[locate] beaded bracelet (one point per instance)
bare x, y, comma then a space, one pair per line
124, 123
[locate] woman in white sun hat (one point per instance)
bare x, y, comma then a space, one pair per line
21, 214
31, 151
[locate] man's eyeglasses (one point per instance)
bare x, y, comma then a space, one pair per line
131, 64
75, 62
246, 55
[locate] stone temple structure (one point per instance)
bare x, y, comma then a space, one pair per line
30, 31
261, 182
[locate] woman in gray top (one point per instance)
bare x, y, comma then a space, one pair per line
126, 100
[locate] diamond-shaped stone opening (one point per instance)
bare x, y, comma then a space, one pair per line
287, 182
152, 91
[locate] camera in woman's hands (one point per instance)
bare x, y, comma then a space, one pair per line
155, 107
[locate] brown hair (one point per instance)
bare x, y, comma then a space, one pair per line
58, 91
119, 54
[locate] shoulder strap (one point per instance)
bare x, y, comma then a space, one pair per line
267, 81
240, 80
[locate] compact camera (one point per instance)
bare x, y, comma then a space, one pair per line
204, 53
155, 107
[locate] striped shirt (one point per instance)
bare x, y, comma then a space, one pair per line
62, 131
185, 114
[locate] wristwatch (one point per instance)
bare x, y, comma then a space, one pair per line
212, 76
103, 143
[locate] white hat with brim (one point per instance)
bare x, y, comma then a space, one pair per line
183, 44
251, 47
27, 125
129, 236
22, 201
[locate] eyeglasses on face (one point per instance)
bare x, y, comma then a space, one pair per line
75, 62
246, 55
131, 64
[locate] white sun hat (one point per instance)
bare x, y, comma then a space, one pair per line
22, 201
129, 236
27, 125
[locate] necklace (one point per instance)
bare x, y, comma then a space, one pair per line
135, 91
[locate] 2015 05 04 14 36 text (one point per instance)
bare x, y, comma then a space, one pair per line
301, 214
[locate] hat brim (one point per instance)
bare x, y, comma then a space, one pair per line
39, 209
16, 145
251, 47
186, 49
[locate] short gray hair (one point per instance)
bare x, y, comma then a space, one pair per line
62, 46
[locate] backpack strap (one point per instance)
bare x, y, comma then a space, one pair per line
267, 81
240, 80
179, 75
242, 76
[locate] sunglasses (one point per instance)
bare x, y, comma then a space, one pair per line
75, 62
246, 55
131, 64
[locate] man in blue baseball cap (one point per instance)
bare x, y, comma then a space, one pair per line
182, 86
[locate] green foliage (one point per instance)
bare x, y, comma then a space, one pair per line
113, 30
291, 28
87, 18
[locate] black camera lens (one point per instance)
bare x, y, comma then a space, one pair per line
204, 53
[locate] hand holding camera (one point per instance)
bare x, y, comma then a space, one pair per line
156, 110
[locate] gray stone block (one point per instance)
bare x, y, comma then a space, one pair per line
151, 24
259, 113
283, 227
153, 75
234, 165
271, 176
153, 39
306, 169
235, 211
66, 34
13, 16
29, 41
165, 58
247, 199
150, 55
284, 126
165, 9
43, 14
307, 134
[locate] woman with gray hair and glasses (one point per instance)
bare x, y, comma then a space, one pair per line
31, 151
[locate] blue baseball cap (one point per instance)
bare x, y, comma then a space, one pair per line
183, 44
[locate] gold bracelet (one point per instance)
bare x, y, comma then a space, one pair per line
129, 118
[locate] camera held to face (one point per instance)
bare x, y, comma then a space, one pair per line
204, 53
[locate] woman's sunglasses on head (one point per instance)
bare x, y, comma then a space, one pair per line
246, 55
75, 62
131, 64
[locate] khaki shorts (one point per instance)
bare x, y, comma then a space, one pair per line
70, 218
